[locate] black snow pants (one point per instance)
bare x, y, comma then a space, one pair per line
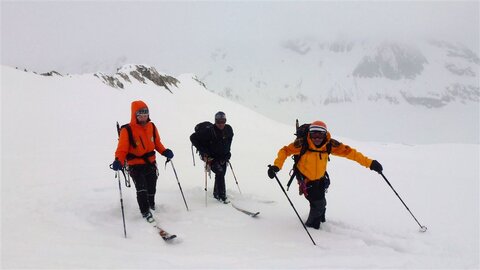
145, 178
318, 202
220, 169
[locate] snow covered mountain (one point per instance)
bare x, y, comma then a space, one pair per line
431, 74
371, 91
350, 82
60, 205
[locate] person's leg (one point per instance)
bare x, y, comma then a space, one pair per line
140, 181
316, 198
151, 178
219, 191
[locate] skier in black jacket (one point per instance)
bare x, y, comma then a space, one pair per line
214, 143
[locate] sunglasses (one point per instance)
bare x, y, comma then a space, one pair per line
317, 135
142, 112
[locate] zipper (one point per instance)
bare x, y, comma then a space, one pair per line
142, 142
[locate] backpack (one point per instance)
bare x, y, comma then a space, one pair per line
201, 130
200, 127
301, 134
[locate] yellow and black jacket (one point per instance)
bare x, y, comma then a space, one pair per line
313, 163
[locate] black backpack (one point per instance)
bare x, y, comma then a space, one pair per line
301, 134
203, 126
201, 130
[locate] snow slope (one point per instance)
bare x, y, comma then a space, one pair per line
60, 206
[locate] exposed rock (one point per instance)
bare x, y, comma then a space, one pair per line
51, 73
199, 81
341, 46
109, 80
460, 71
140, 73
392, 61
299, 46
457, 51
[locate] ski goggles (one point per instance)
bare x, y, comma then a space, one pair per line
142, 112
220, 121
317, 135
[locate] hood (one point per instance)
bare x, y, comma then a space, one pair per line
137, 105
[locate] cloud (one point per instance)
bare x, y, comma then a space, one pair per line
81, 36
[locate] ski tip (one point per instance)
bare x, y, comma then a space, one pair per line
256, 214
169, 237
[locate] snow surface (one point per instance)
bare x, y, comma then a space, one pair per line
60, 204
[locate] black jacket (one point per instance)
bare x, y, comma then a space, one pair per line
214, 142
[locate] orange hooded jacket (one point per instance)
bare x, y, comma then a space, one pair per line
313, 165
143, 137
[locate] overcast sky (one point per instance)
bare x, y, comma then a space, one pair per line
90, 36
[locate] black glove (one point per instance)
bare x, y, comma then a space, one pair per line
228, 156
272, 171
168, 153
376, 166
116, 165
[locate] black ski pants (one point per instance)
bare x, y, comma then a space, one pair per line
145, 178
219, 167
318, 202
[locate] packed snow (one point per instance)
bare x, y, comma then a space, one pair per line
60, 205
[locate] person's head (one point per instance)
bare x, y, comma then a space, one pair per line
142, 116
140, 113
317, 132
220, 120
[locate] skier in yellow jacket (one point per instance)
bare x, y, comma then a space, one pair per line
312, 167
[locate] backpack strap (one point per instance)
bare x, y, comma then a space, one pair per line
154, 132
130, 135
296, 158
145, 156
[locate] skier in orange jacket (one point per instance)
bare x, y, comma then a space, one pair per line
136, 146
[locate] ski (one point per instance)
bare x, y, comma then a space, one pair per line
164, 234
252, 214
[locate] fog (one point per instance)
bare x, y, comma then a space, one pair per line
178, 37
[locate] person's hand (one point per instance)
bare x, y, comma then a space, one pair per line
272, 171
376, 166
116, 165
168, 153
228, 156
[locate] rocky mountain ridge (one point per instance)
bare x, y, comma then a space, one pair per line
140, 73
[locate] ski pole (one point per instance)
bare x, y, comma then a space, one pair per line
422, 228
284, 192
117, 175
175, 171
193, 156
206, 164
231, 168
